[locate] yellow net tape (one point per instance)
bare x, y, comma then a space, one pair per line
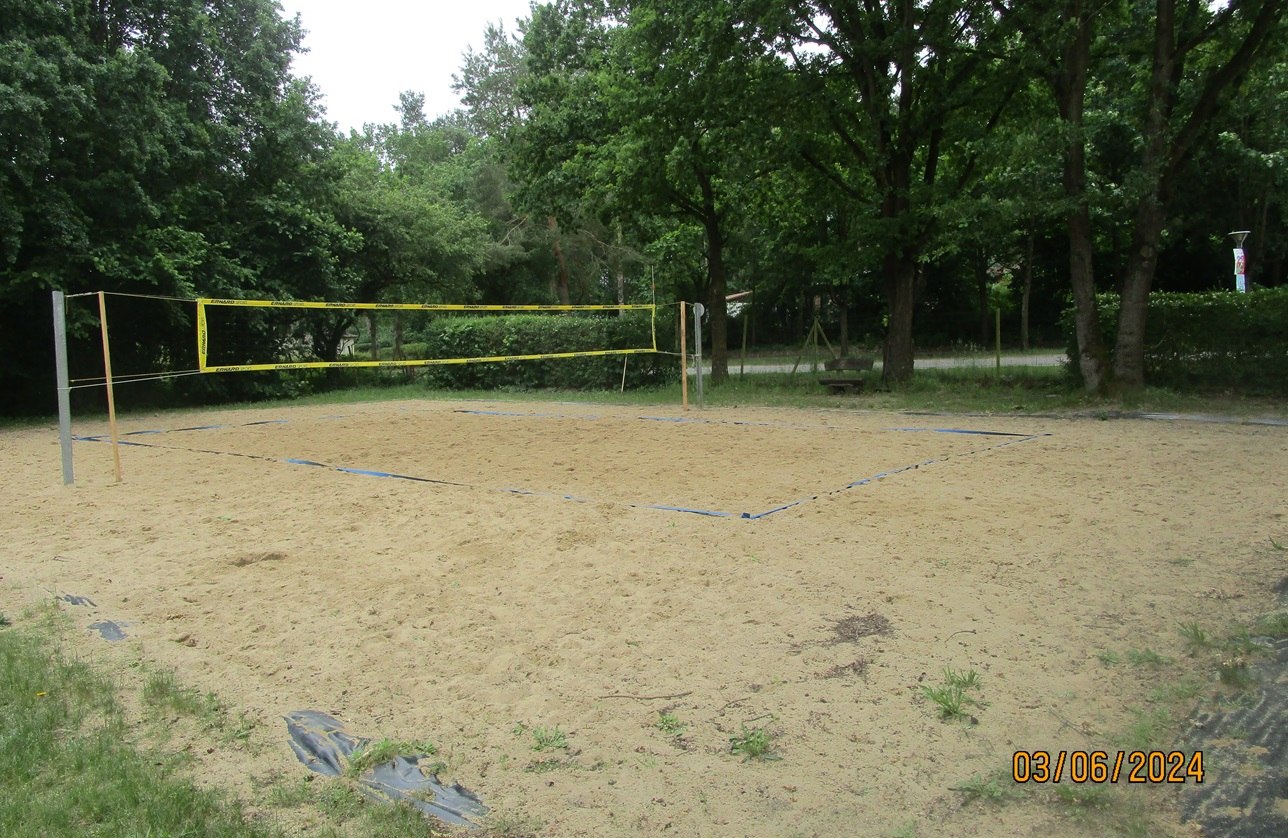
203, 338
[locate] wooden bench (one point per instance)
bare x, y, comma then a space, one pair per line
841, 385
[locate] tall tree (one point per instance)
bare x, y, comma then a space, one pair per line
904, 85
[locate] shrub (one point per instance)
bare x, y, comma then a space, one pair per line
529, 334
1217, 340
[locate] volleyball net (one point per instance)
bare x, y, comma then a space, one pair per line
302, 330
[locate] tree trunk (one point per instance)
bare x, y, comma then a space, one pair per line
981, 295
561, 274
375, 336
844, 305
1069, 86
1129, 352
1026, 293
901, 294
716, 287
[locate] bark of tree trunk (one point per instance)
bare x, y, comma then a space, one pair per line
1069, 86
1026, 294
375, 336
561, 274
901, 295
716, 287
844, 306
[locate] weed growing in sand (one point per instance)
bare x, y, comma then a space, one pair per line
1274, 626
1276, 545
994, 789
1089, 795
1233, 672
670, 724
1147, 657
1109, 657
753, 743
549, 739
1196, 639
4, 621
370, 754
907, 830
1148, 730
164, 692
1181, 562
951, 697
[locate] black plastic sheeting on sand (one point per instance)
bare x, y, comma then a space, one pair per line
1245, 747
321, 743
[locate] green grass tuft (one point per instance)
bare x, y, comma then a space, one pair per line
753, 743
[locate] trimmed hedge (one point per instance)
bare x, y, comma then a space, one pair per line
1218, 340
534, 334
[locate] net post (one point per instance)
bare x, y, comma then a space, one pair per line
111, 394
684, 361
698, 311
63, 385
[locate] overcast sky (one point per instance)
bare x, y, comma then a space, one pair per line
363, 53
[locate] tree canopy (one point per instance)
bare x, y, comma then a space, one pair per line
877, 164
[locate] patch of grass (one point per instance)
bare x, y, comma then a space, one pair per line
545, 766
163, 694
1233, 672
951, 697
549, 739
1149, 730
1241, 642
289, 794
162, 691
1182, 689
75, 772
994, 789
1274, 626
753, 743
371, 754
907, 830
670, 724
1084, 795
4, 621
1109, 657
1196, 638
1147, 657
1181, 562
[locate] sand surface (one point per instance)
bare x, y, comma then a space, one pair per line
528, 578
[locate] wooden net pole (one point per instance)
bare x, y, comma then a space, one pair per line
684, 361
111, 395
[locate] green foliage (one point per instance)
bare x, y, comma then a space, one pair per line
526, 334
1218, 340
951, 696
549, 739
670, 724
370, 754
754, 743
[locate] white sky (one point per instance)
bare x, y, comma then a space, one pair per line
363, 53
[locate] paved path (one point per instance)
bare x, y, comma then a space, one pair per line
1052, 359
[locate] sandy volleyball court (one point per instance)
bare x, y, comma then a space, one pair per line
529, 577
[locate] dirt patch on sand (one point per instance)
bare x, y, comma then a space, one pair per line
521, 571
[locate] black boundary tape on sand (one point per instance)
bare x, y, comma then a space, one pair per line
1011, 439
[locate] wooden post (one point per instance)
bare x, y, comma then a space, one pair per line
624, 357
684, 361
111, 395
